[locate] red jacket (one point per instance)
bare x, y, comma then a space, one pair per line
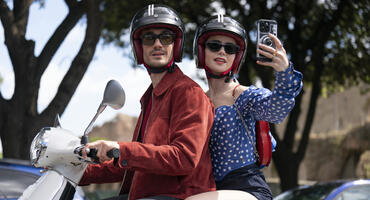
174, 158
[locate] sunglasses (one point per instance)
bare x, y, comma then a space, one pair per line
216, 45
166, 38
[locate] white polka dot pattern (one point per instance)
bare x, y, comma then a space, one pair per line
230, 145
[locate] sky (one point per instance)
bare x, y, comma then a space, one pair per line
109, 62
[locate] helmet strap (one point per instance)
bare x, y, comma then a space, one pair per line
228, 74
232, 76
170, 67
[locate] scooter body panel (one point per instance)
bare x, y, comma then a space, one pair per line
61, 144
59, 154
49, 186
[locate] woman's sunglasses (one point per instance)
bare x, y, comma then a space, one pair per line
215, 46
166, 38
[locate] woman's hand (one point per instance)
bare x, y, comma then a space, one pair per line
278, 56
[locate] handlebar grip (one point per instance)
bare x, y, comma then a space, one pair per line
92, 154
113, 153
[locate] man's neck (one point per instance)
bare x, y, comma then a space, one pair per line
157, 77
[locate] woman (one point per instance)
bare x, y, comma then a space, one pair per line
219, 48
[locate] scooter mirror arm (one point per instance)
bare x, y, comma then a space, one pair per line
84, 138
57, 121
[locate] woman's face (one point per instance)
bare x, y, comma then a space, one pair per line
218, 59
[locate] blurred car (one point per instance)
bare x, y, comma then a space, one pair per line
334, 190
17, 175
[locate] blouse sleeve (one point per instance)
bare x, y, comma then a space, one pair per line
272, 106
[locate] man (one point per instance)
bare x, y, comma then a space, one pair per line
169, 156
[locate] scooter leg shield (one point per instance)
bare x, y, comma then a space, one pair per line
50, 186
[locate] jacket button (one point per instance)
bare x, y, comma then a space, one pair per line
124, 162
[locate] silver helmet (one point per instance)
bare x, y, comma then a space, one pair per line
220, 25
156, 16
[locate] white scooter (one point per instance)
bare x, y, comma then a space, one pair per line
58, 151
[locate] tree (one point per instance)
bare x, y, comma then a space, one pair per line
19, 119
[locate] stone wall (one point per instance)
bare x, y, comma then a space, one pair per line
338, 155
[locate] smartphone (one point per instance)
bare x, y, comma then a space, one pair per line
264, 27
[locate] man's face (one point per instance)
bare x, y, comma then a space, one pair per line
159, 53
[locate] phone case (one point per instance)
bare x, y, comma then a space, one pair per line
264, 27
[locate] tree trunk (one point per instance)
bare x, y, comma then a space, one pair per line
287, 166
290, 172
19, 119
18, 133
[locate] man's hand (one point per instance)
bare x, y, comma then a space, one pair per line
278, 56
102, 147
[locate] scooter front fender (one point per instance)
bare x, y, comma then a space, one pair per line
50, 186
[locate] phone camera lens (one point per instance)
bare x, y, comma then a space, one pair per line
265, 27
266, 40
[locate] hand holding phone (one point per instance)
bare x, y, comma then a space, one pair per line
264, 27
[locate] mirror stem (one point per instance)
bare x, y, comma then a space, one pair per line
84, 138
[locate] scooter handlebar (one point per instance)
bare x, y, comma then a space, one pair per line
113, 153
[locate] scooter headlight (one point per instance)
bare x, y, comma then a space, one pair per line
38, 146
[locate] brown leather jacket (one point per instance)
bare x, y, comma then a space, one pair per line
174, 158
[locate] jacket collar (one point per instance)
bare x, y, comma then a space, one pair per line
164, 84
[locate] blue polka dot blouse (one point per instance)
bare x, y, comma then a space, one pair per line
230, 145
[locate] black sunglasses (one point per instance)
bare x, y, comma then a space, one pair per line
166, 38
215, 46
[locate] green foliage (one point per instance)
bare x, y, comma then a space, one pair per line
310, 31
118, 15
93, 139
347, 53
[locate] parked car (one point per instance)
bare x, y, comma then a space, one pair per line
17, 175
334, 190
